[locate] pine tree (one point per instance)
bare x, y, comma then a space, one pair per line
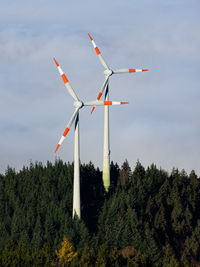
102, 257
125, 172
114, 175
66, 253
37, 234
138, 173
169, 258
87, 258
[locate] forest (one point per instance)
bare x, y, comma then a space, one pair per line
149, 217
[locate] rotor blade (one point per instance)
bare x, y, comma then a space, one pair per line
66, 82
67, 128
128, 70
102, 90
103, 87
99, 53
104, 103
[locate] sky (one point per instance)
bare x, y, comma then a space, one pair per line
160, 125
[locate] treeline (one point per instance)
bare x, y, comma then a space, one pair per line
148, 218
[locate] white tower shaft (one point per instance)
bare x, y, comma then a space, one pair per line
106, 148
76, 193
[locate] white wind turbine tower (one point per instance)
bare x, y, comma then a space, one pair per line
107, 72
78, 104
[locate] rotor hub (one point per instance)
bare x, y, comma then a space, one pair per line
78, 104
108, 72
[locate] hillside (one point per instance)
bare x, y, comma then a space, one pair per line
148, 218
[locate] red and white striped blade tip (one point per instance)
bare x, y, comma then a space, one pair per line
56, 62
90, 37
137, 70
57, 148
62, 138
99, 95
92, 109
109, 103
98, 98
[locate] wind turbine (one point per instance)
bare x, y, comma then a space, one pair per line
78, 104
106, 150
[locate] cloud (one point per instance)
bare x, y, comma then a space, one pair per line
161, 122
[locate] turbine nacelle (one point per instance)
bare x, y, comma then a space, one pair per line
108, 72
78, 104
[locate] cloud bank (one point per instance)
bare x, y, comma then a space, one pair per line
161, 123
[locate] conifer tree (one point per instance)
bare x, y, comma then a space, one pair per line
102, 257
37, 234
125, 172
66, 253
139, 172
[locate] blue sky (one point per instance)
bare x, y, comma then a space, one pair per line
160, 125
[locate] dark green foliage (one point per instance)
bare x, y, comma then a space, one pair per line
148, 218
92, 195
22, 255
124, 173
114, 176
36, 205
152, 210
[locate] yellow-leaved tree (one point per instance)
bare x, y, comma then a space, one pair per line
66, 253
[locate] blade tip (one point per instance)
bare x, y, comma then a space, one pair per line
92, 110
99, 96
57, 148
56, 62
90, 37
